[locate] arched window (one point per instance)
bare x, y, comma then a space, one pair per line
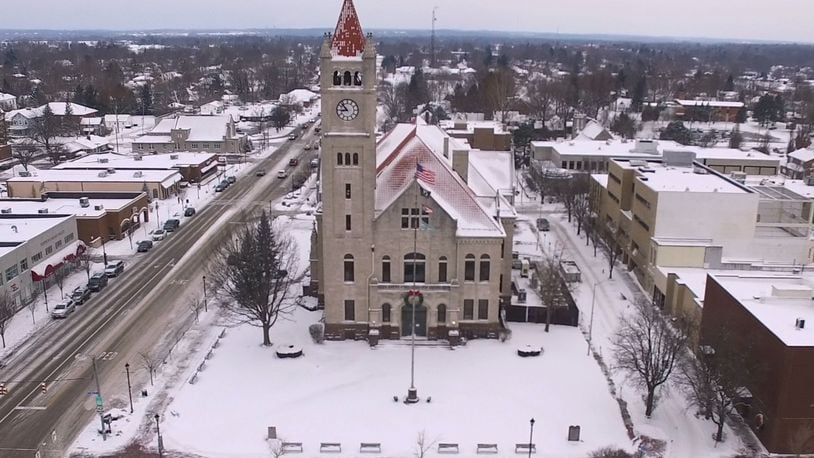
349, 267
347, 158
442, 269
357, 79
386, 269
469, 267
355, 158
442, 314
346, 79
337, 79
386, 309
415, 268
484, 268
338, 158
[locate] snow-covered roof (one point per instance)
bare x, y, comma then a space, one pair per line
4, 97
777, 301
147, 162
57, 175
709, 103
29, 113
91, 121
493, 169
593, 131
60, 108
21, 229
348, 38
60, 206
803, 155
201, 128
396, 173
670, 178
300, 96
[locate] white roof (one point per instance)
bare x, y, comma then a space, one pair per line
592, 130
802, 155
59, 109
777, 302
301, 95
4, 96
201, 128
22, 229
61, 206
147, 162
709, 103
90, 121
56, 175
670, 178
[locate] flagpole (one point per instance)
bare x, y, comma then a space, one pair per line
412, 393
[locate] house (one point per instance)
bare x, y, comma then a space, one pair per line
211, 134
19, 122
158, 184
88, 144
302, 97
482, 135
92, 126
8, 102
122, 122
408, 239
769, 316
799, 164
212, 108
68, 113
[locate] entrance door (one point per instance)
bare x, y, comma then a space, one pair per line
407, 321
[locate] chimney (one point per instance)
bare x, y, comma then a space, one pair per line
460, 163
446, 147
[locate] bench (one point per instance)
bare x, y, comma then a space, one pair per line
487, 448
447, 448
330, 447
370, 447
525, 448
291, 447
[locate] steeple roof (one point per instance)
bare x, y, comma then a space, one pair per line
348, 38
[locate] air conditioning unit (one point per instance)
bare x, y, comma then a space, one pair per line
98, 207
42, 211
111, 171
800, 323
84, 202
24, 173
138, 174
138, 158
5, 210
104, 160
102, 174
173, 156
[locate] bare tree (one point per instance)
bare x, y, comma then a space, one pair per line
541, 97
44, 131
500, 90
195, 304
423, 445
85, 261
715, 378
6, 314
59, 276
276, 448
257, 269
150, 363
25, 152
609, 244
32, 305
551, 287
394, 101
647, 346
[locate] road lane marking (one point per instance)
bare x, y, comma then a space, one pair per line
30, 408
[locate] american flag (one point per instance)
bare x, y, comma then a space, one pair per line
424, 175
426, 210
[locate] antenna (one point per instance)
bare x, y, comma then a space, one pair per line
432, 40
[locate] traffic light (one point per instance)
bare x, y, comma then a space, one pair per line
3, 390
43, 388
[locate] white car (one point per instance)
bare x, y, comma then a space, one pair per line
282, 174
62, 309
159, 235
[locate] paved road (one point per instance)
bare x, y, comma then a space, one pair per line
132, 315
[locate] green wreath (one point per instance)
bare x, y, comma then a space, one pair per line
410, 294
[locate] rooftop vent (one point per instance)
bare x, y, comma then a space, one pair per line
84, 202
647, 170
699, 171
102, 174
5, 210
103, 160
111, 171
173, 156
24, 173
42, 211
800, 323
138, 158
99, 207
138, 174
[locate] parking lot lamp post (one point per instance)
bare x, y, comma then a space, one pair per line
104, 253
204, 293
158, 430
129, 389
531, 435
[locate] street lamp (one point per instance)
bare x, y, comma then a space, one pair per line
158, 430
104, 253
591, 323
531, 435
129, 389
204, 291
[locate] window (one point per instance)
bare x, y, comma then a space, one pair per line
614, 178
347, 222
483, 309
58, 244
410, 218
641, 223
349, 268
642, 200
386, 269
347, 158
337, 79
613, 197
414, 268
339, 159
355, 158
36, 257
469, 268
11, 272
68, 238
347, 190
48, 250
23, 265
442, 269
346, 79
442, 313
484, 268
469, 309
350, 310
386, 313
357, 79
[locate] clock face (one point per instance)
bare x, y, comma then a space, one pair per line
347, 110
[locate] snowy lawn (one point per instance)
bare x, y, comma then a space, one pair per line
343, 392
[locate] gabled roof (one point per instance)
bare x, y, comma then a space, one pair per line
348, 38
404, 147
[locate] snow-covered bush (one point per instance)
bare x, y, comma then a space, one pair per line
317, 331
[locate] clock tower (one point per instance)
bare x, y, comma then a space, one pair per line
348, 173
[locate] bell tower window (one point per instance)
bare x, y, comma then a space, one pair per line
337, 79
346, 79
357, 79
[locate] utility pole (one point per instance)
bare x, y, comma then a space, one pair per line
99, 401
432, 38
129, 389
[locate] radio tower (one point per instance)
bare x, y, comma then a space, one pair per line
432, 39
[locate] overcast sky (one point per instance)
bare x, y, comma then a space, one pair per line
780, 20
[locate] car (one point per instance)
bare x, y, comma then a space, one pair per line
80, 294
231, 179
260, 173
114, 268
62, 309
292, 137
221, 186
282, 174
144, 246
293, 162
189, 211
543, 225
171, 225
307, 147
317, 128
159, 234
314, 163
97, 282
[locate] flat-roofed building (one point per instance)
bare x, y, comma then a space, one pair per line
192, 166
158, 184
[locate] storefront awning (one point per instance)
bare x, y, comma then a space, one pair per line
49, 265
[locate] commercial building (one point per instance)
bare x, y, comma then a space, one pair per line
482, 135
708, 110
193, 167
770, 317
799, 164
158, 184
211, 134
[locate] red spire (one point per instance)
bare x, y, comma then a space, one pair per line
348, 40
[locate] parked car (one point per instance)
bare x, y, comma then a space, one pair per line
231, 179
189, 211
144, 246
80, 294
293, 162
171, 225
282, 174
97, 282
260, 173
292, 137
307, 147
314, 163
543, 225
62, 309
159, 234
114, 268
221, 186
